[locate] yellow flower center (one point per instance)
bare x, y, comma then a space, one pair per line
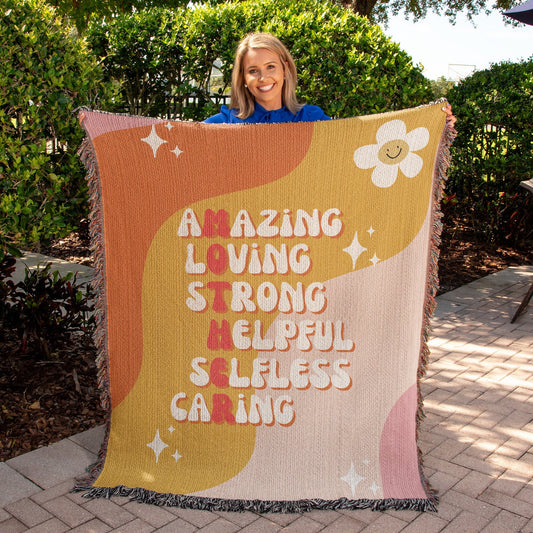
393, 152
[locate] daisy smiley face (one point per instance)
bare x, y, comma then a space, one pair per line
393, 151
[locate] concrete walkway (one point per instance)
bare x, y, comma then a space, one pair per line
33, 261
477, 441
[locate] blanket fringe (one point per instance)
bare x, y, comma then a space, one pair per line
87, 155
141, 495
439, 182
96, 229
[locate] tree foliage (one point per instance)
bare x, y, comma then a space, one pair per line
493, 151
45, 74
441, 86
380, 10
346, 65
80, 12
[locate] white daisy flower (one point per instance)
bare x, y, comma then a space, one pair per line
394, 149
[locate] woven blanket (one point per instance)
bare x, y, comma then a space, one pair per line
264, 294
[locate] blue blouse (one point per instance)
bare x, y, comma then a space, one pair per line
308, 113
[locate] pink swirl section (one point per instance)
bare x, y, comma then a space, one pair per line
98, 123
400, 474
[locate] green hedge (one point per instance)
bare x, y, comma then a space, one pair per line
46, 72
493, 151
346, 65
143, 54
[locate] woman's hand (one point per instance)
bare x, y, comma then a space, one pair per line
451, 119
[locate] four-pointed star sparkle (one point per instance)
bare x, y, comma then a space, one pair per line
157, 445
352, 478
154, 140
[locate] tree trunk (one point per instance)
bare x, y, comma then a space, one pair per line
362, 7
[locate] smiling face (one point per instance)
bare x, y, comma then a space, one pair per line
264, 75
393, 152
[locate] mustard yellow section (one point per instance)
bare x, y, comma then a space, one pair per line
208, 453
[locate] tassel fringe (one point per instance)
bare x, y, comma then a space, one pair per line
141, 495
87, 155
439, 182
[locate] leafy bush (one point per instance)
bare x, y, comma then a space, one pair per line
143, 52
159, 58
346, 65
81, 11
441, 86
7, 267
46, 309
493, 151
46, 72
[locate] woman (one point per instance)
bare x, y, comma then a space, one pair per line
263, 85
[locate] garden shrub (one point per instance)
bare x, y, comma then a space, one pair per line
143, 53
346, 65
7, 286
46, 72
156, 57
493, 151
46, 309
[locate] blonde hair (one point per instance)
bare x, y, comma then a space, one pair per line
241, 98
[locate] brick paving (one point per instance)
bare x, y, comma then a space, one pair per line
477, 441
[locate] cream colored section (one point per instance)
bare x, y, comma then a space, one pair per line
337, 428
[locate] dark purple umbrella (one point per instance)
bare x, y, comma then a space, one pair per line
522, 13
